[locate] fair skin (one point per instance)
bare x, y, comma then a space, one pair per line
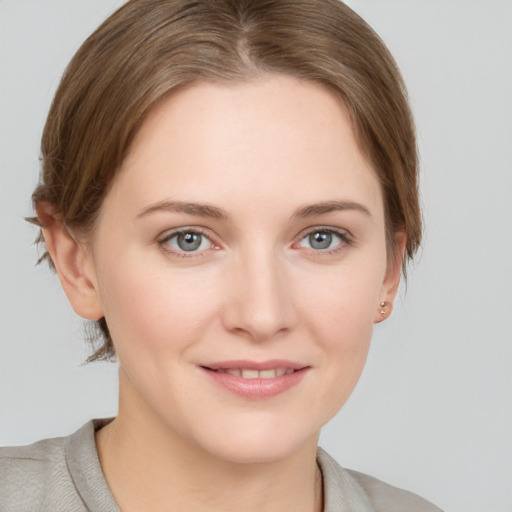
280, 261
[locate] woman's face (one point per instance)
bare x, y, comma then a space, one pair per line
239, 260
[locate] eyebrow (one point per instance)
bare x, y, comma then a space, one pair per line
205, 210
196, 209
330, 206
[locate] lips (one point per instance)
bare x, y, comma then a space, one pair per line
256, 380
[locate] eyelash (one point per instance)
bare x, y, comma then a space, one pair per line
345, 240
163, 242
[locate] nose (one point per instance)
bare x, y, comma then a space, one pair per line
260, 305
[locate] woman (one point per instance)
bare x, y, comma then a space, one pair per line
229, 190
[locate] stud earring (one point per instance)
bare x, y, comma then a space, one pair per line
383, 305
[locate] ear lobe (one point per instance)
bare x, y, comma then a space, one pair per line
72, 263
391, 280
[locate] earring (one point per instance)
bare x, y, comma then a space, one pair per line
383, 305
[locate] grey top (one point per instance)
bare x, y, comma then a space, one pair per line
64, 475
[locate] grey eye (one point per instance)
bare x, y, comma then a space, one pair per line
323, 239
320, 240
188, 241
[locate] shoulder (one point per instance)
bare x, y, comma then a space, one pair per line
47, 475
31, 462
349, 490
25, 471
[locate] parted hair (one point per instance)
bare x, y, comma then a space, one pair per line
149, 48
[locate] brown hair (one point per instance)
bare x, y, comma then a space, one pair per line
148, 48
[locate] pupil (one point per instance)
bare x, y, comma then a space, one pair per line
189, 241
320, 240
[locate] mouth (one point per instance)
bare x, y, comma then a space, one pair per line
256, 380
248, 373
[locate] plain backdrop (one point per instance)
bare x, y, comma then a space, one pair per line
433, 409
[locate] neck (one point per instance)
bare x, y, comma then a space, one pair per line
149, 467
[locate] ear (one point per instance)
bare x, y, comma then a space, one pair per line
73, 264
391, 280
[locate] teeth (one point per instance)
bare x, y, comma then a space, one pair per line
250, 374
255, 374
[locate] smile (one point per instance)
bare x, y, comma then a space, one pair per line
247, 373
253, 380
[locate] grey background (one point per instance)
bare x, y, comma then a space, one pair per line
433, 410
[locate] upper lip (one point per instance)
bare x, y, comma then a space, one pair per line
254, 365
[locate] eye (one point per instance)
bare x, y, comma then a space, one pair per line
324, 240
186, 241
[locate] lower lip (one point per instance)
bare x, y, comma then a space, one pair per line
256, 388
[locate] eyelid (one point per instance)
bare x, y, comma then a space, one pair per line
171, 233
343, 233
346, 237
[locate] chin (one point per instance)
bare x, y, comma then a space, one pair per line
263, 443
254, 453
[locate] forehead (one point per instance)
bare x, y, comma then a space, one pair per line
264, 139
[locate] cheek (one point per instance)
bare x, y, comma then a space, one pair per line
339, 310
146, 309
341, 302
343, 330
